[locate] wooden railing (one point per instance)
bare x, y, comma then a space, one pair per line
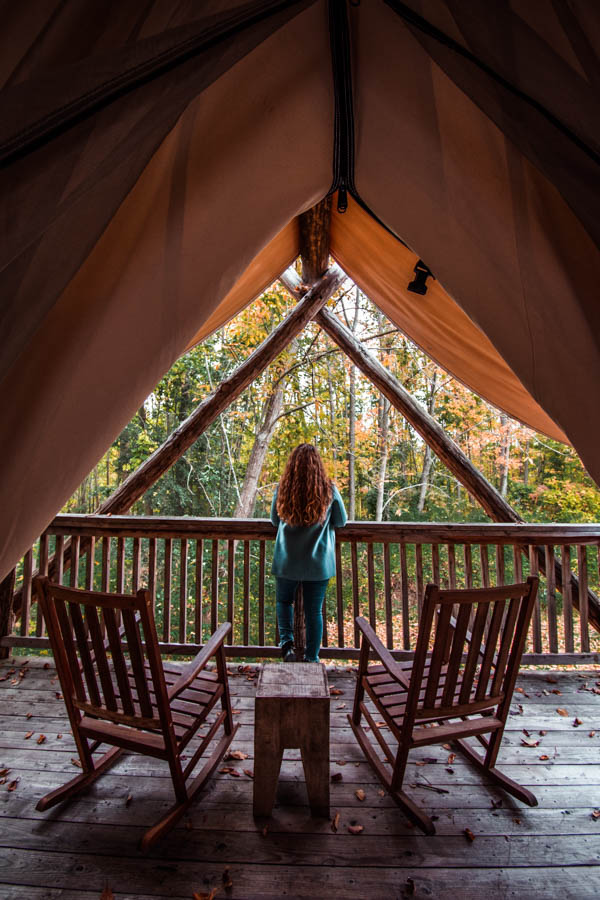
201, 572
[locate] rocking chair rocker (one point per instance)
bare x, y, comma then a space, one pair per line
460, 688
138, 703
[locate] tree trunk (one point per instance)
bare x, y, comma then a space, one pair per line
352, 427
384, 419
271, 412
505, 453
428, 455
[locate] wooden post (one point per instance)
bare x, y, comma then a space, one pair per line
314, 240
7, 587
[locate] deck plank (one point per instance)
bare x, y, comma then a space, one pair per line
548, 851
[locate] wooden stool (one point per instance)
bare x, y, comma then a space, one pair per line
292, 710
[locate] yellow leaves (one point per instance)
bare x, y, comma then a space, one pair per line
562, 712
335, 822
360, 794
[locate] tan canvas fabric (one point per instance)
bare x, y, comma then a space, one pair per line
122, 233
216, 192
262, 272
383, 267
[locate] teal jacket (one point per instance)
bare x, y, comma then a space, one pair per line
307, 552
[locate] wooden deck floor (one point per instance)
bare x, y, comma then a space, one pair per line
77, 850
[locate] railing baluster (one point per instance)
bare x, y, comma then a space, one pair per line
536, 620
551, 598
183, 589
168, 568
105, 564
451, 567
90, 563
214, 587
468, 566
435, 563
198, 595
566, 596
371, 585
518, 565
387, 579
230, 588
152, 571
135, 566
246, 623
43, 569
500, 568
120, 565
485, 565
26, 607
261, 592
582, 571
339, 585
405, 604
419, 577
59, 546
355, 595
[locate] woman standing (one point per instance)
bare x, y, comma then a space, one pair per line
307, 508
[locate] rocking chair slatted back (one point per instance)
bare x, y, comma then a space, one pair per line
125, 697
117, 692
459, 685
469, 670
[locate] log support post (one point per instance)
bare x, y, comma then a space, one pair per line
7, 587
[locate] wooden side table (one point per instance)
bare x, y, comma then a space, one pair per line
292, 710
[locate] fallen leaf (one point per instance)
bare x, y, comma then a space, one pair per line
544, 757
360, 794
249, 773
335, 822
107, 894
236, 712
264, 831
356, 829
13, 785
451, 758
41, 739
469, 835
29, 715
517, 821
529, 742
46, 665
129, 799
4, 772
28, 735
450, 770
577, 723
496, 804
76, 762
237, 754
519, 690
596, 814
337, 776
542, 733
381, 793
555, 691
58, 737
335, 692
341, 706
526, 733
591, 734
226, 879
202, 895
561, 711
447, 746
340, 762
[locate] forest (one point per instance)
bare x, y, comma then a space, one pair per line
314, 393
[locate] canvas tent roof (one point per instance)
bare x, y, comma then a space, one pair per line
154, 164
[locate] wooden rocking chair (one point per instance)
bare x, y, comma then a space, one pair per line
460, 688
138, 703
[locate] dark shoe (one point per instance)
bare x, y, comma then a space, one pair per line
288, 652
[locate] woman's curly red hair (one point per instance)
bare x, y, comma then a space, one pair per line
305, 490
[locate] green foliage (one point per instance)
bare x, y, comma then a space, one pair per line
544, 480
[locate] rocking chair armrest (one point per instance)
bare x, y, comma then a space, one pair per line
199, 662
384, 655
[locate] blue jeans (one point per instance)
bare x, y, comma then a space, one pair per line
313, 593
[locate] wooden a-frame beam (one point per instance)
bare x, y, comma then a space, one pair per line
148, 473
498, 509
